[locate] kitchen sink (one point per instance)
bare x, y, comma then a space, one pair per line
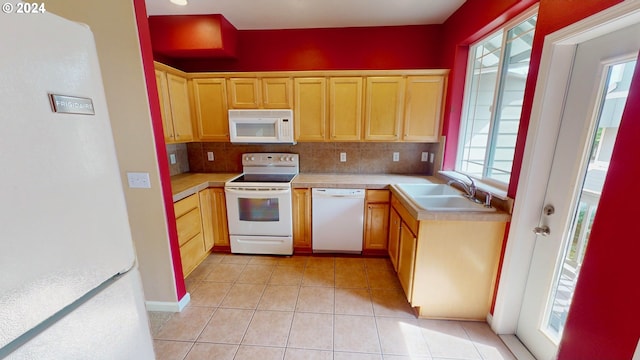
449, 203
440, 197
414, 190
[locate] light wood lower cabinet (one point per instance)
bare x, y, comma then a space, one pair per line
302, 220
190, 237
447, 268
214, 219
393, 245
376, 222
201, 221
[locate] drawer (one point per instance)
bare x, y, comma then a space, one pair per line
189, 225
379, 196
409, 220
185, 205
191, 253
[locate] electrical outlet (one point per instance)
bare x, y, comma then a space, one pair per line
139, 180
424, 157
343, 157
210, 156
431, 157
172, 158
396, 156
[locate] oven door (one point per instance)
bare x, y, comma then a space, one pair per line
259, 211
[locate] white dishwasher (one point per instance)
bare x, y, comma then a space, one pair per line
337, 220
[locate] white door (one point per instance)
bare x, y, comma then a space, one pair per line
598, 87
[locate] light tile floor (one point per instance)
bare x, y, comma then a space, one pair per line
307, 307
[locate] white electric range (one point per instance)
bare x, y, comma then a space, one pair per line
259, 204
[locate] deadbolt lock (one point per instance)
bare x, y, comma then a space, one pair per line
549, 210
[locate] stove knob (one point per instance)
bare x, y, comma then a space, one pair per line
253, 158
289, 158
282, 158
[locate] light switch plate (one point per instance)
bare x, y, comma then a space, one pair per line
210, 156
396, 156
424, 157
139, 180
343, 157
172, 158
431, 156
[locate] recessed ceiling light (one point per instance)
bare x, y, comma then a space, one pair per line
179, 2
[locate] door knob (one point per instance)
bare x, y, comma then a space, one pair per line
542, 230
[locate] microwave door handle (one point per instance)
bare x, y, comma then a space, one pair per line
248, 191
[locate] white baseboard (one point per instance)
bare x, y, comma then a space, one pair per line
168, 306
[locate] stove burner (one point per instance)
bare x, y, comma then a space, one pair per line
264, 178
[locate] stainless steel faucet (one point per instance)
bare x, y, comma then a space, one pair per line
470, 189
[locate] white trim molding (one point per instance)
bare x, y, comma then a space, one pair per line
168, 306
553, 79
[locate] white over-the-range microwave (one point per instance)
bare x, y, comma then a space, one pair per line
264, 126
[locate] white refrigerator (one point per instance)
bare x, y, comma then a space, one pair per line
69, 281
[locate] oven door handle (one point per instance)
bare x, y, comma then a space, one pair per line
254, 191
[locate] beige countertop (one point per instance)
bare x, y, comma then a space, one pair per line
361, 181
187, 184
184, 185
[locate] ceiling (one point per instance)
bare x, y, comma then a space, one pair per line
300, 14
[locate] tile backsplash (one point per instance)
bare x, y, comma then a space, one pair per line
362, 157
182, 158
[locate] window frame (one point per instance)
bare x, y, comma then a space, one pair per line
466, 103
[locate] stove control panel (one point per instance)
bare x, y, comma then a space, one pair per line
270, 159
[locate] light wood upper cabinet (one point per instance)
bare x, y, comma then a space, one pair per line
259, 93
175, 110
302, 220
244, 93
384, 105
210, 101
277, 93
345, 108
310, 109
165, 105
180, 111
423, 108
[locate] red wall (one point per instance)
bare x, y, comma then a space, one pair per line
158, 132
393, 47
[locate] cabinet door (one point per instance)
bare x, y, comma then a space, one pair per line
302, 220
212, 118
423, 108
376, 226
345, 108
180, 111
244, 93
406, 260
207, 211
220, 225
384, 104
165, 106
310, 102
394, 237
276, 93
